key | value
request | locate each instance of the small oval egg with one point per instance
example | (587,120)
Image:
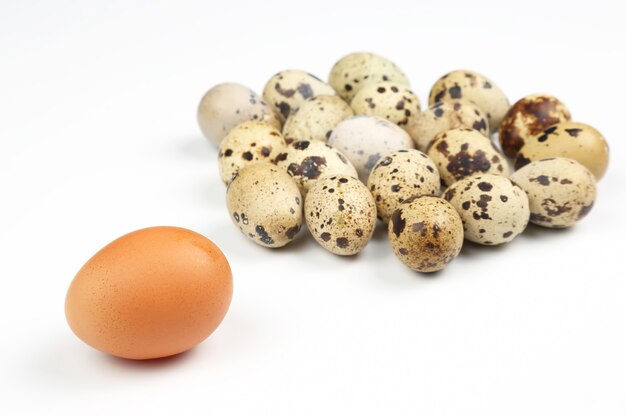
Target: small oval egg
(528,117)
(560,191)
(469,85)
(266,205)
(152,293)
(307,161)
(459,153)
(387,100)
(287,90)
(400,175)
(425,233)
(444,116)
(316,118)
(572,140)
(493,209)
(358,69)
(340,214)
(248,143)
(226,105)
(364,139)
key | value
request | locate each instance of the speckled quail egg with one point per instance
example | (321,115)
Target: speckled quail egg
(316,118)
(358,69)
(226,105)
(469,85)
(287,90)
(561,191)
(459,153)
(528,117)
(265,203)
(493,209)
(400,175)
(426,233)
(443,116)
(248,143)
(572,140)
(387,100)
(309,160)
(340,214)
(364,139)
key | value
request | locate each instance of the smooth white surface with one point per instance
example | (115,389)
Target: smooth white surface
(98,137)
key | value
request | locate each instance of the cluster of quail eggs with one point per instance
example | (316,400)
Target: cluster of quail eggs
(339,155)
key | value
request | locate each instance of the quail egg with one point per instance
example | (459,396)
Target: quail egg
(358,69)
(493,209)
(443,116)
(572,140)
(426,233)
(316,118)
(528,117)
(266,205)
(469,85)
(400,175)
(226,105)
(248,143)
(308,160)
(459,153)
(364,139)
(340,214)
(287,90)
(387,100)
(561,191)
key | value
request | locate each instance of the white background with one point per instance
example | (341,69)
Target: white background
(98,138)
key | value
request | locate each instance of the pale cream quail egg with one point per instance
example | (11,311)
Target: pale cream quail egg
(316,118)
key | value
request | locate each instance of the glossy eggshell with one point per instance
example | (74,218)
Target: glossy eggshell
(226,105)
(426,233)
(248,143)
(444,116)
(356,70)
(316,118)
(364,139)
(287,90)
(493,209)
(340,214)
(528,117)
(265,204)
(152,293)
(400,175)
(469,85)
(459,153)
(560,191)
(388,100)
(572,140)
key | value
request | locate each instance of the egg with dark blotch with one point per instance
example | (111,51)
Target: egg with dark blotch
(388,100)
(528,117)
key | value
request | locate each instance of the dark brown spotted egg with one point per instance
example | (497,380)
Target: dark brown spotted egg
(364,139)
(248,143)
(226,105)
(528,117)
(459,153)
(340,214)
(309,160)
(400,175)
(287,90)
(469,85)
(426,233)
(576,141)
(443,116)
(265,204)
(561,191)
(387,100)
(316,118)
(493,209)
(354,71)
